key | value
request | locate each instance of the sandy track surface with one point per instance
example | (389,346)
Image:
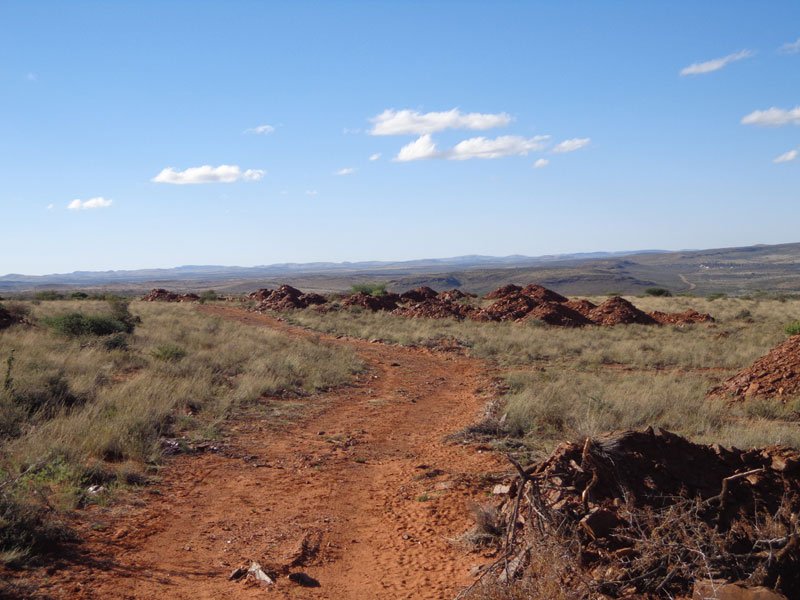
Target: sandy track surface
(362,494)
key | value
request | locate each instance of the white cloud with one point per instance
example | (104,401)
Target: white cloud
(479,147)
(32,77)
(375,156)
(261,130)
(311,192)
(787,156)
(715,64)
(773,117)
(420,149)
(98,202)
(505,145)
(208,174)
(571,145)
(50,207)
(411,122)
(348,171)
(542,162)
(790,47)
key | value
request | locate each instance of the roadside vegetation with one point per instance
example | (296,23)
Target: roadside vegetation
(92,394)
(566,384)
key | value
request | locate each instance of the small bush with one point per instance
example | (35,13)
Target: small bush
(77,324)
(120,311)
(118,341)
(207,296)
(47,398)
(169,353)
(792,328)
(657,291)
(48,295)
(79,295)
(17,310)
(374,289)
(716,296)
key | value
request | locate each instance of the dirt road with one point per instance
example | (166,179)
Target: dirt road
(363,495)
(687,282)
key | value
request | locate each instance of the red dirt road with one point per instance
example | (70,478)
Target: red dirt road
(361,493)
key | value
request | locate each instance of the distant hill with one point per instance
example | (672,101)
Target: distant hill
(773,268)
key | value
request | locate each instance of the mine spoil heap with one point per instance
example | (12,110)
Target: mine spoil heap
(648,514)
(511,303)
(776,374)
(162,295)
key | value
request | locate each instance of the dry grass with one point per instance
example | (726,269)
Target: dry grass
(74,401)
(570,383)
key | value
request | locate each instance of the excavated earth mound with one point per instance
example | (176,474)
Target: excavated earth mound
(542,294)
(645,514)
(162,295)
(418,295)
(512,303)
(434,308)
(509,307)
(689,316)
(557,313)
(370,302)
(775,375)
(285,298)
(618,311)
(453,295)
(504,291)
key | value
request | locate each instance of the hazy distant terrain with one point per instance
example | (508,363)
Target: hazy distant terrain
(730,270)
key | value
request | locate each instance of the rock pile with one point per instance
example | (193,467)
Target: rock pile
(646,514)
(512,303)
(285,298)
(775,375)
(162,295)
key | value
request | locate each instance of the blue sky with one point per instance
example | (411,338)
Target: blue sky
(129,131)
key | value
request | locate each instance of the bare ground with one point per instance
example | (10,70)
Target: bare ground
(361,493)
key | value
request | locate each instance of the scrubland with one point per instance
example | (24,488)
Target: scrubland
(79,410)
(569,383)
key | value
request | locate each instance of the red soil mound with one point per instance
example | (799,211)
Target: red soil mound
(418,295)
(284,298)
(634,500)
(617,311)
(452,295)
(557,313)
(513,303)
(162,295)
(434,308)
(542,294)
(502,292)
(582,306)
(689,316)
(776,374)
(370,302)
(508,308)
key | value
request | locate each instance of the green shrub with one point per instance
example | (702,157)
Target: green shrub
(79,295)
(120,311)
(47,398)
(792,328)
(207,296)
(374,289)
(77,324)
(716,296)
(18,310)
(657,291)
(118,341)
(48,295)
(169,353)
